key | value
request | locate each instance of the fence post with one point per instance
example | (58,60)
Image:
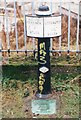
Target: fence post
(33,39)
(77,41)
(80,27)
(16,33)
(69,29)
(24,28)
(61,25)
(7,22)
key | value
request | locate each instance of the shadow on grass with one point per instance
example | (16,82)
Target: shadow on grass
(25,72)
(19,72)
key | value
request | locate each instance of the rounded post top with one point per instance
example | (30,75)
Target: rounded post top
(43,10)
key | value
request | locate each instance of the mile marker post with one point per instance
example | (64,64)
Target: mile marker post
(44,79)
(43,26)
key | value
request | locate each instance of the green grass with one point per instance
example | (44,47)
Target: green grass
(20,79)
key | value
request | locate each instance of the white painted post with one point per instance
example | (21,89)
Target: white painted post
(69,28)
(16,33)
(60,41)
(33,39)
(77,40)
(6,18)
(24,28)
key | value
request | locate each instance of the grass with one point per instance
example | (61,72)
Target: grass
(20,81)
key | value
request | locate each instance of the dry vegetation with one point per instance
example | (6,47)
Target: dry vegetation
(20,30)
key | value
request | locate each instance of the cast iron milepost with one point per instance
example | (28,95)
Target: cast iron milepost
(44,79)
(44,26)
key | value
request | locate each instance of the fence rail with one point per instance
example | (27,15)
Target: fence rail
(12,13)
